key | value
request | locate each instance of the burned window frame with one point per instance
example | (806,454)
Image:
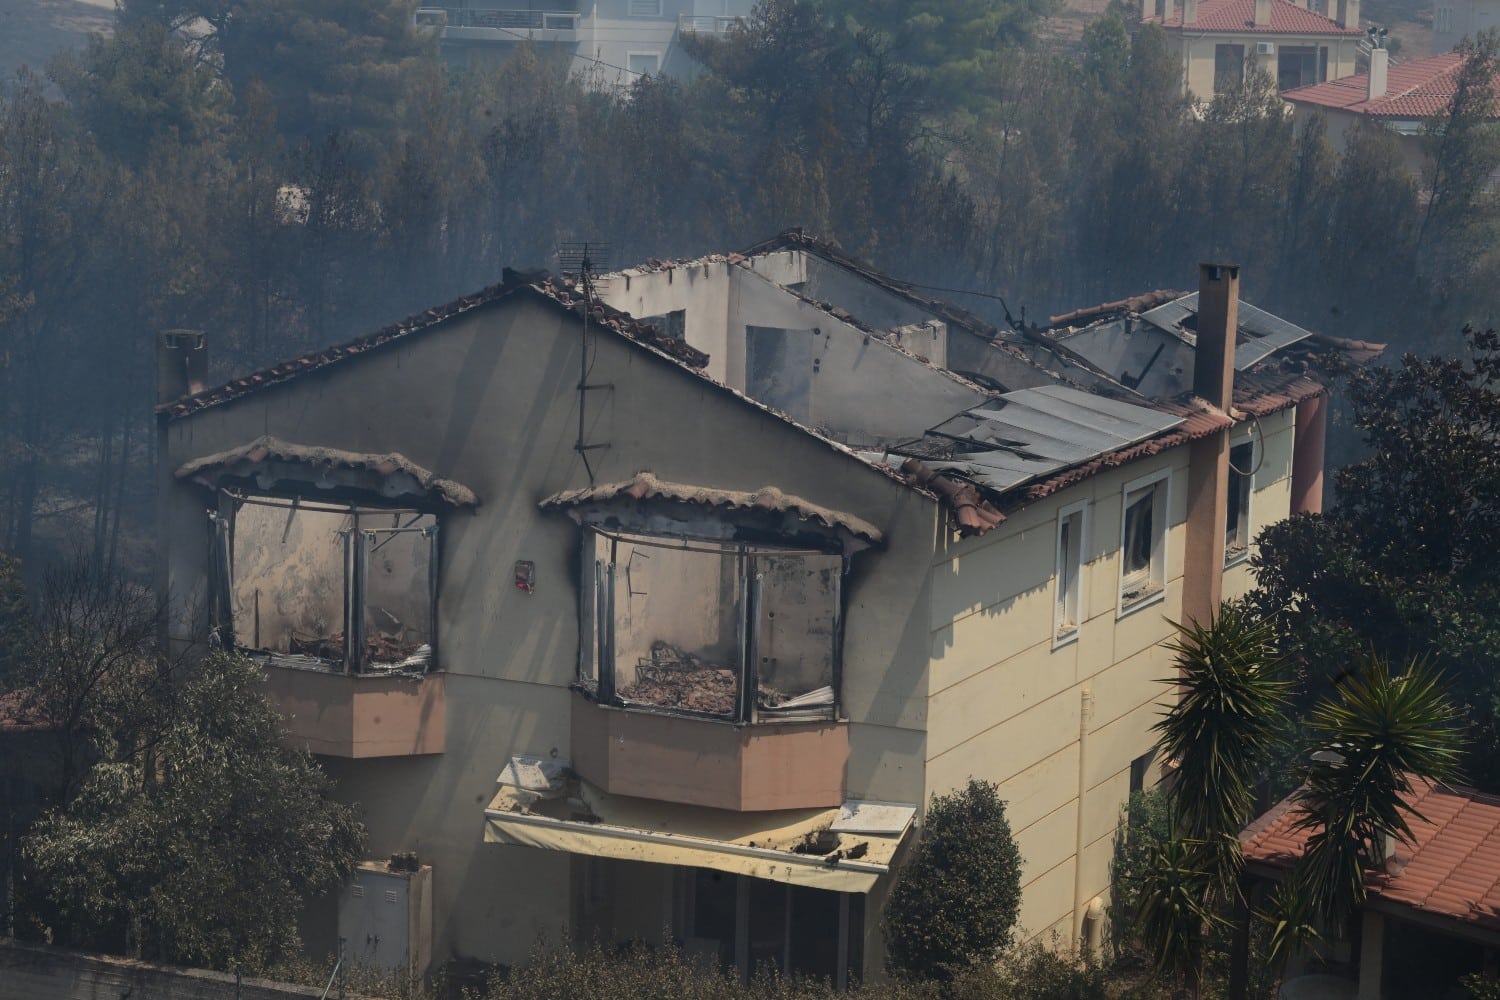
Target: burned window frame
(597,659)
(1145,585)
(358,544)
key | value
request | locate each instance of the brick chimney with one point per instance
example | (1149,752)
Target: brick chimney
(1349,14)
(1263,12)
(1380,66)
(1189,11)
(1208,457)
(181,364)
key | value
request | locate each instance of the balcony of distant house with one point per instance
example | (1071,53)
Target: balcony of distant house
(711,643)
(324,568)
(556,22)
(709,24)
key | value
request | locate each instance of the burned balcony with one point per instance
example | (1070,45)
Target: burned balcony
(343,588)
(723,630)
(324,568)
(710,653)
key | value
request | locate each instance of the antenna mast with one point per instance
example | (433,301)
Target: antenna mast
(585,260)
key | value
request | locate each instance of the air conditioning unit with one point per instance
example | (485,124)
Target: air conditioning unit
(385,915)
(1265,48)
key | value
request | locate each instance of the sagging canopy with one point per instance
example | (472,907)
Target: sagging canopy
(843,849)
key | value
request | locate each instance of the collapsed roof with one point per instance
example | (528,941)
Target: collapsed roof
(1010,415)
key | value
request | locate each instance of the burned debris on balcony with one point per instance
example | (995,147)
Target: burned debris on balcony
(670,678)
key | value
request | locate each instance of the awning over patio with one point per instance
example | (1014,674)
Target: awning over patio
(847,849)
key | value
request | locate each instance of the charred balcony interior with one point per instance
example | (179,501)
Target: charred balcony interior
(338,587)
(709,628)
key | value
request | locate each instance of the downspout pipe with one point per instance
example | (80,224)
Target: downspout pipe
(1080,833)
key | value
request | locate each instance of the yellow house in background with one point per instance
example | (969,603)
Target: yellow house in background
(657,607)
(1218,40)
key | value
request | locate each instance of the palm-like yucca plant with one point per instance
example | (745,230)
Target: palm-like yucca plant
(1221,730)
(1175,910)
(1383,731)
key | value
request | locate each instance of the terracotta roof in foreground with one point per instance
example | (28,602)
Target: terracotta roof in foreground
(1234,16)
(1451,869)
(1418,89)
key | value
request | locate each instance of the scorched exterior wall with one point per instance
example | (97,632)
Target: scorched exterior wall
(489,399)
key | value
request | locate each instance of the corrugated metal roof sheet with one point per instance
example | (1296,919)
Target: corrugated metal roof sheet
(1030,433)
(1450,869)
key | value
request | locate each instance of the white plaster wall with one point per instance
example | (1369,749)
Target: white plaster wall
(489,400)
(857,377)
(702,290)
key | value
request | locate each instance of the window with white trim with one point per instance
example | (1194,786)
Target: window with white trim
(1241,483)
(643,64)
(1068,605)
(645,8)
(1143,540)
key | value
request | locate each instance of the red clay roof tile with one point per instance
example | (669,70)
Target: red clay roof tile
(1451,868)
(1239,15)
(1414,90)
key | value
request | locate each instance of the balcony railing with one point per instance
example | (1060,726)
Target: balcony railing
(696,24)
(506,20)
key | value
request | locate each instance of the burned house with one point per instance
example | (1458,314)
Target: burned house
(723,568)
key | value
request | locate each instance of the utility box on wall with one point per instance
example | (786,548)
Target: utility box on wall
(385,916)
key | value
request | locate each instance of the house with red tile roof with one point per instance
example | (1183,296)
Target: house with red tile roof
(1432,909)
(1219,40)
(1399,96)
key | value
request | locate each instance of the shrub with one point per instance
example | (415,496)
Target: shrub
(955,902)
(1146,827)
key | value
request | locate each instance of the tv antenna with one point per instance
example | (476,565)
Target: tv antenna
(585,260)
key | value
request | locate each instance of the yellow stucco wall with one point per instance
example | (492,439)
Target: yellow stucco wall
(1197,53)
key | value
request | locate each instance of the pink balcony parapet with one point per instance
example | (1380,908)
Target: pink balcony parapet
(702,762)
(360,715)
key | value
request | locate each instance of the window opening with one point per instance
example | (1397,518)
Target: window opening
(1139,769)
(1229,67)
(313,584)
(730,630)
(644,63)
(1142,543)
(645,8)
(1241,483)
(1067,612)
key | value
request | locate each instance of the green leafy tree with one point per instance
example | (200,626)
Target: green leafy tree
(200,845)
(1402,564)
(15,621)
(956,900)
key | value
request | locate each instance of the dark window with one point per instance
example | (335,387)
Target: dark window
(1229,66)
(1139,768)
(1237,526)
(1296,66)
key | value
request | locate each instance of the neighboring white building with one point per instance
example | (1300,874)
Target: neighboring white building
(612,41)
(1455,20)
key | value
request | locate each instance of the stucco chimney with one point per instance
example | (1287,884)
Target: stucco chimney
(1189,11)
(1308,437)
(181,364)
(1263,12)
(1349,14)
(1208,457)
(1380,66)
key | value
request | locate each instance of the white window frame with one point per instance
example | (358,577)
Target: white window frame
(1247,500)
(1158,485)
(1070,563)
(636,74)
(643,8)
